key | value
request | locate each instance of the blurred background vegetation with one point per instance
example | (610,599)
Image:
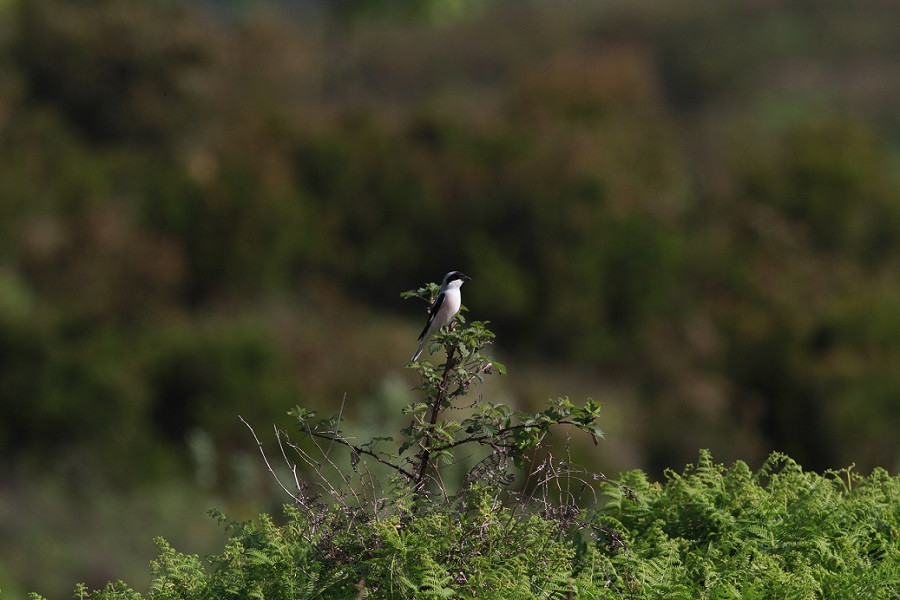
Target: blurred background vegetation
(690,212)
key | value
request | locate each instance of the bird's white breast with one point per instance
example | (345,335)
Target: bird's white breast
(452,302)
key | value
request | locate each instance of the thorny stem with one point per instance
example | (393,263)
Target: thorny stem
(357,450)
(436,408)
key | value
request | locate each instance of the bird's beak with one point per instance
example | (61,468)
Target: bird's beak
(466,278)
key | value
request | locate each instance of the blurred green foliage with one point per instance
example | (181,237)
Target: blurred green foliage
(208,209)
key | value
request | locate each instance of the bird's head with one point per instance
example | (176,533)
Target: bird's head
(455,276)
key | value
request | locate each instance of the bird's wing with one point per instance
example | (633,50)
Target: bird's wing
(432,312)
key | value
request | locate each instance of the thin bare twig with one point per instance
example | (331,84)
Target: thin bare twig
(266,459)
(291,465)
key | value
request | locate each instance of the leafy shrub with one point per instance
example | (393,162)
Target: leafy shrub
(710,532)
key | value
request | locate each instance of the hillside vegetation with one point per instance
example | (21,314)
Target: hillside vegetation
(209,209)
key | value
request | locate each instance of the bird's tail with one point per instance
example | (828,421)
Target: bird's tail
(421,347)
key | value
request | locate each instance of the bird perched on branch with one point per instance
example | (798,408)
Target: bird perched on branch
(445,307)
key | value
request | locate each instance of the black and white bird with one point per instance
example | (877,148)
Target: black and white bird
(445,307)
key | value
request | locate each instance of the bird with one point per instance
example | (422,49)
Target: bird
(445,307)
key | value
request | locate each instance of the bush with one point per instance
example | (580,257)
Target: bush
(710,532)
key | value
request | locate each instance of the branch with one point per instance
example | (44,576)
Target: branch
(425,454)
(266,460)
(482,438)
(358,450)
